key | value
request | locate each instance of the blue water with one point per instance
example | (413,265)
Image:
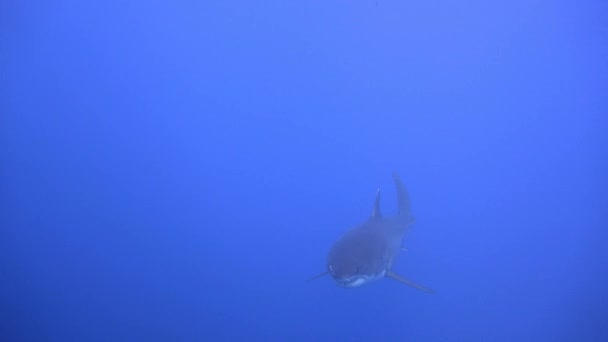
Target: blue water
(175,171)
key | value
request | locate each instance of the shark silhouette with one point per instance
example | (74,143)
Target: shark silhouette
(366,252)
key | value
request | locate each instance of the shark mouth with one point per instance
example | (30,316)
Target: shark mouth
(357,280)
(352,281)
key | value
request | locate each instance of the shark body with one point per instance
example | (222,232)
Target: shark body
(366,252)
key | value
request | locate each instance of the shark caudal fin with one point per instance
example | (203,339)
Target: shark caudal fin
(403,200)
(402,280)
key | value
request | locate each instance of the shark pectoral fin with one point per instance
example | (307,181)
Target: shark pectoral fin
(402,280)
(318,276)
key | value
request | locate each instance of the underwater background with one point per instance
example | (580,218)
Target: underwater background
(176,171)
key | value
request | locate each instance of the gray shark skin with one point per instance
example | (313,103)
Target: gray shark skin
(366,252)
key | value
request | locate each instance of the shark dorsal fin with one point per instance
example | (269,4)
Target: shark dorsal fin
(376,211)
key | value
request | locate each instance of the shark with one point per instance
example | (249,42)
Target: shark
(367,252)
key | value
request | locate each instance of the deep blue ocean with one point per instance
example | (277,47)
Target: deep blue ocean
(178,170)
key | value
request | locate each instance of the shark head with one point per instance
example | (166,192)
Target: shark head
(358,257)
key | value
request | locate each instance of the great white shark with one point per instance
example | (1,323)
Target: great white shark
(367,252)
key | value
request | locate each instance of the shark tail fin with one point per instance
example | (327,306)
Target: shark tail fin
(403,198)
(402,280)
